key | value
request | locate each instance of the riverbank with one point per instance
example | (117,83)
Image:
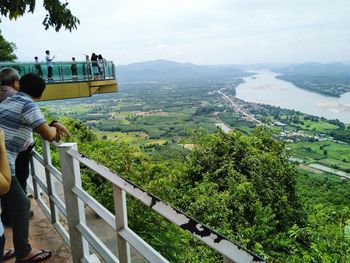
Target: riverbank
(265,88)
(324,85)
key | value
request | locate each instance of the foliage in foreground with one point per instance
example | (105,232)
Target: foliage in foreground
(243,186)
(58,14)
(6,49)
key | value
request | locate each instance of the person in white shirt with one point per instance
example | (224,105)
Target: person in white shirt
(49,65)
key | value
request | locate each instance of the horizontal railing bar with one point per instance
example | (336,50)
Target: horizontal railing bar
(96,243)
(41,183)
(92,258)
(54,171)
(107,216)
(60,205)
(141,246)
(38,157)
(197,229)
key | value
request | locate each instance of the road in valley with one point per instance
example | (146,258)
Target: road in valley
(248,116)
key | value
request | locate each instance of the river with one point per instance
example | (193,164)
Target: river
(265,88)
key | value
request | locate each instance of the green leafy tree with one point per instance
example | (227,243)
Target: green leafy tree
(58,14)
(6,50)
(325,238)
(243,186)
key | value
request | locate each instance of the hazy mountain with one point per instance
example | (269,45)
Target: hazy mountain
(170,70)
(317,69)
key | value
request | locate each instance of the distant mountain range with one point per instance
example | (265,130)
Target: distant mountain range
(317,69)
(170,70)
(158,70)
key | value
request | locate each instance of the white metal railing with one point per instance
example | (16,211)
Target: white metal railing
(81,238)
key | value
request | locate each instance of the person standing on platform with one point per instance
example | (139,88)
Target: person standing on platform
(37,66)
(49,65)
(87,67)
(74,69)
(94,64)
(20,115)
(9,85)
(101,65)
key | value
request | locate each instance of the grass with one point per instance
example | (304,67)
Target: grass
(320,126)
(130,137)
(338,155)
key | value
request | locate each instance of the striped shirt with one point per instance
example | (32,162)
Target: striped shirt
(6,91)
(19,116)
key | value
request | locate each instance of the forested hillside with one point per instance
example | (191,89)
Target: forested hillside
(329,79)
(165,70)
(241,185)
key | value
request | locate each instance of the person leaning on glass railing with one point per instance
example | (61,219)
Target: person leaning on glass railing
(20,116)
(5,181)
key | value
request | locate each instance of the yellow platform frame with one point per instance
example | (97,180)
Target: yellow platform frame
(70,90)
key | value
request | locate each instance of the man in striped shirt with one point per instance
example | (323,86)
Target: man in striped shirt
(20,115)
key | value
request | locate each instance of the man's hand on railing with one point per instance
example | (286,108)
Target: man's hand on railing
(61,131)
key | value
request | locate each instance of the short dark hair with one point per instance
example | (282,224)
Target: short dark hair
(35,57)
(47,51)
(32,85)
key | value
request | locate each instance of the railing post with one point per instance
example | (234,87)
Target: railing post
(47,161)
(74,206)
(121,218)
(113,71)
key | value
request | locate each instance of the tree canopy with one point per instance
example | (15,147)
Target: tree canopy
(6,50)
(58,15)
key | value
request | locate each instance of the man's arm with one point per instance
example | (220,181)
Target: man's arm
(46,132)
(5,173)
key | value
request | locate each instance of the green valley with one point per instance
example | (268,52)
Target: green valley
(164,136)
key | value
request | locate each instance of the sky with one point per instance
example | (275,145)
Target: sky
(196,31)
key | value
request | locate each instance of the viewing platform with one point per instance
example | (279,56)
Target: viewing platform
(71,79)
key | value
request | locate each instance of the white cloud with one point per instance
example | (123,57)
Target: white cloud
(199,31)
